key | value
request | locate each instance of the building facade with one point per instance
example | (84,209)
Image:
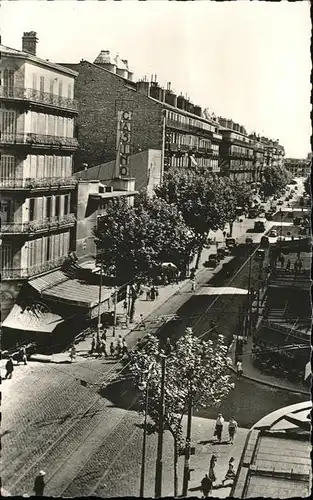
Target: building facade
(161,120)
(298,167)
(237,152)
(37,145)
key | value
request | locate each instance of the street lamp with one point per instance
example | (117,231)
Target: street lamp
(159,463)
(99,324)
(144,386)
(188,436)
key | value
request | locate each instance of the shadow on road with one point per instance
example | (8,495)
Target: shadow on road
(122,394)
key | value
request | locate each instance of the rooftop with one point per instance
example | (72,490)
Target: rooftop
(276,459)
(10,52)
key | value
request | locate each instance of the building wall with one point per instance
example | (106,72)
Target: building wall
(55,83)
(100,95)
(86,218)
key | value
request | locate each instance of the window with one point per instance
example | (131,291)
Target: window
(42,85)
(6,256)
(48,206)
(60,88)
(69,91)
(7,124)
(31,208)
(7,169)
(57,206)
(48,248)
(8,82)
(52,81)
(67,204)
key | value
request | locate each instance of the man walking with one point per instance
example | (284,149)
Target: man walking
(9,368)
(193,284)
(239,369)
(206,486)
(219,427)
(39,484)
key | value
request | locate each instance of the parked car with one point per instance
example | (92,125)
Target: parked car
(280,202)
(273,233)
(260,254)
(252,213)
(259,226)
(269,216)
(249,240)
(221,252)
(231,243)
(212,261)
(265,243)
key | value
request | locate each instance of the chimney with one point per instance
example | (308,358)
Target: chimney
(197,110)
(29,42)
(143,86)
(171,98)
(181,102)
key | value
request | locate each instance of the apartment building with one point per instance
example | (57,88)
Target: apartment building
(237,152)
(298,166)
(36,184)
(161,120)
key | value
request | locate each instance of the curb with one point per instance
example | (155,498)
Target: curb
(48,360)
(270,384)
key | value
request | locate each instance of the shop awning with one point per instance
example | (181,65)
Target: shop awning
(222,290)
(75,292)
(34,318)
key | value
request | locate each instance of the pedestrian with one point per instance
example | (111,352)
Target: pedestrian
(22,355)
(104,335)
(213,461)
(232,429)
(239,368)
(193,284)
(9,368)
(93,345)
(39,484)
(103,348)
(142,322)
(112,350)
(206,486)
(152,293)
(230,474)
(119,346)
(288,265)
(224,234)
(212,476)
(219,427)
(148,293)
(282,260)
(73,353)
(124,347)
(156,292)
(99,349)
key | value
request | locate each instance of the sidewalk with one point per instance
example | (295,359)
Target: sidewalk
(254,374)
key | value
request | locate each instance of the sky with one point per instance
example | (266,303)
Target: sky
(249,61)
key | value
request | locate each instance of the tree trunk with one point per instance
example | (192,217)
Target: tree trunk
(200,248)
(134,296)
(175,467)
(231,224)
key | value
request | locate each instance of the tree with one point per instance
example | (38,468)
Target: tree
(132,242)
(195,369)
(274,180)
(236,194)
(199,197)
(307,185)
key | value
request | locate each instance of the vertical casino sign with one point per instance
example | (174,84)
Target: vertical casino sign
(123,143)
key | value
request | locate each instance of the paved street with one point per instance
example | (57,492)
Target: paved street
(51,422)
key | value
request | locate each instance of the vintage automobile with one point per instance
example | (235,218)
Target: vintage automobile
(269,216)
(212,261)
(222,252)
(231,243)
(259,226)
(260,254)
(249,240)
(264,243)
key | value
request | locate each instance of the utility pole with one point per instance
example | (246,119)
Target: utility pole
(248,319)
(114,317)
(143,455)
(159,463)
(188,439)
(99,324)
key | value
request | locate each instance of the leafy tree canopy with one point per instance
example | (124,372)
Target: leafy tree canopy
(133,241)
(274,180)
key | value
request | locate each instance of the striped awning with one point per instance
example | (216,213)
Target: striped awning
(35,317)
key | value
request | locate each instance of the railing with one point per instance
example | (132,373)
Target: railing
(33,95)
(37,225)
(37,182)
(23,273)
(31,138)
(304,332)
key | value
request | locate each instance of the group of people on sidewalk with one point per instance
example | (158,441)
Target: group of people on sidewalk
(232,428)
(210,478)
(116,350)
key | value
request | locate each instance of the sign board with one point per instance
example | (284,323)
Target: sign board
(123,143)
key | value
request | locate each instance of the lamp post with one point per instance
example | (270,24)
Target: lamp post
(249,293)
(159,462)
(188,438)
(145,386)
(115,304)
(99,324)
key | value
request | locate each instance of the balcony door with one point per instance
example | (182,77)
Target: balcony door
(7,125)
(6,257)
(8,82)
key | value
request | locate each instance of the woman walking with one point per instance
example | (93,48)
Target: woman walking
(73,353)
(230,474)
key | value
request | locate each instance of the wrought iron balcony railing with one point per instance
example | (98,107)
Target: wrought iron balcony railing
(31,227)
(37,182)
(33,95)
(38,139)
(24,273)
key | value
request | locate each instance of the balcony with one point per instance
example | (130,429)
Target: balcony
(36,96)
(38,140)
(24,273)
(36,226)
(30,183)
